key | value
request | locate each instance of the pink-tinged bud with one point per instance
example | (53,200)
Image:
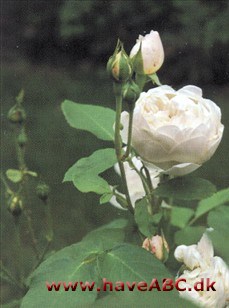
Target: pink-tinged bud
(158,246)
(147,54)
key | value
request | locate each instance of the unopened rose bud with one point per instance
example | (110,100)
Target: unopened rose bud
(42,191)
(158,246)
(15,205)
(147,54)
(17,114)
(131,92)
(22,139)
(119,66)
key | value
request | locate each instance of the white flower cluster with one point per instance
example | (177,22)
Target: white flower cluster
(201,263)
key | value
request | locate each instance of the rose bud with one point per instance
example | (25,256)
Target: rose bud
(131,92)
(17,114)
(42,191)
(147,54)
(119,66)
(158,246)
(15,205)
(22,139)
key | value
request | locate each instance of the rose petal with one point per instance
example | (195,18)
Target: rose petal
(182,169)
(191,91)
(205,248)
(191,150)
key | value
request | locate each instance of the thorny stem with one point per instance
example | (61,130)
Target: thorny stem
(118,149)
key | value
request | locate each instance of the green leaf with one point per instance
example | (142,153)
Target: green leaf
(100,255)
(94,119)
(13,304)
(31,173)
(77,262)
(14,175)
(20,97)
(154,78)
(147,223)
(119,264)
(219,198)
(84,173)
(143,299)
(219,221)
(186,188)
(105,198)
(189,235)
(133,264)
(180,216)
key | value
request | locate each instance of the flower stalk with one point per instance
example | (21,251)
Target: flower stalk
(128,149)
(118,142)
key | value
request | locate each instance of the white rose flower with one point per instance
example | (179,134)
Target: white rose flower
(175,130)
(151,56)
(201,263)
(134,182)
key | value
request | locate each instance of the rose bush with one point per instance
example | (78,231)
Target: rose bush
(201,263)
(175,130)
(148,53)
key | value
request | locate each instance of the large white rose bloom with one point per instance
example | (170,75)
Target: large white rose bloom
(175,130)
(201,263)
(134,183)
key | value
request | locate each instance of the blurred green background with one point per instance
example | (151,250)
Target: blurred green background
(58,49)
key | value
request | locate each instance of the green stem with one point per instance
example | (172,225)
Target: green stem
(149,182)
(41,258)
(49,231)
(32,234)
(148,178)
(8,189)
(131,114)
(20,249)
(21,157)
(167,219)
(193,220)
(12,279)
(140,80)
(118,149)
(49,235)
(145,185)
(22,166)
